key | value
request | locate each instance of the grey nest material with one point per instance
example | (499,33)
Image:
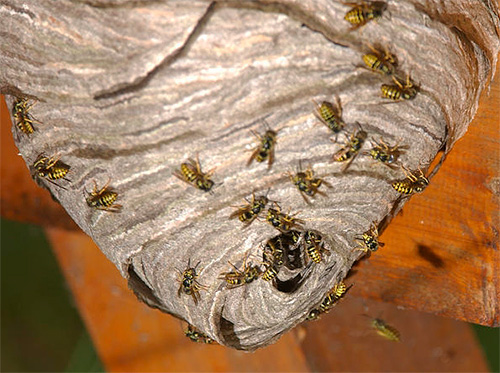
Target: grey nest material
(126,91)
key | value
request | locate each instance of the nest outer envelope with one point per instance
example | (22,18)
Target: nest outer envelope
(128,90)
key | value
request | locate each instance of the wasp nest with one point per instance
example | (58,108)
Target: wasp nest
(150,122)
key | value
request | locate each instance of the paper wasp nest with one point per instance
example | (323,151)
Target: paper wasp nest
(127,91)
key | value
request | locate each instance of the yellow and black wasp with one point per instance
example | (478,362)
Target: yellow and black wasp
(280,221)
(415,182)
(24,120)
(238,277)
(380,62)
(270,271)
(191,173)
(196,336)
(265,150)
(350,149)
(274,251)
(249,212)
(330,115)
(398,92)
(314,247)
(369,240)
(363,12)
(387,155)
(314,314)
(307,184)
(386,331)
(103,199)
(273,256)
(331,298)
(188,283)
(51,168)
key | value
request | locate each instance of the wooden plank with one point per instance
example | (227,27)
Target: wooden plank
(132,337)
(20,198)
(441,253)
(344,340)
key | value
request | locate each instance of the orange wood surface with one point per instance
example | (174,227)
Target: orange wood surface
(441,254)
(20,198)
(132,337)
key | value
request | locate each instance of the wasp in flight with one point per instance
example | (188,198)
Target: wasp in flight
(363,12)
(280,221)
(350,149)
(238,277)
(380,62)
(265,150)
(369,240)
(103,199)
(188,283)
(330,115)
(386,331)
(191,173)
(51,168)
(413,183)
(248,213)
(24,120)
(307,184)
(196,336)
(398,92)
(387,155)
(314,246)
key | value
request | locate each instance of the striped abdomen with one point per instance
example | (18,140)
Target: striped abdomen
(104,199)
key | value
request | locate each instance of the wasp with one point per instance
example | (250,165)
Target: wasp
(248,213)
(191,173)
(51,168)
(292,240)
(280,221)
(314,246)
(399,92)
(413,183)
(314,314)
(188,283)
(333,296)
(274,252)
(363,12)
(238,277)
(265,150)
(387,155)
(307,184)
(350,149)
(270,272)
(369,240)
(196,336)
(330,115)
(380,62)
(103,199)
(24,120)
(386,331)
